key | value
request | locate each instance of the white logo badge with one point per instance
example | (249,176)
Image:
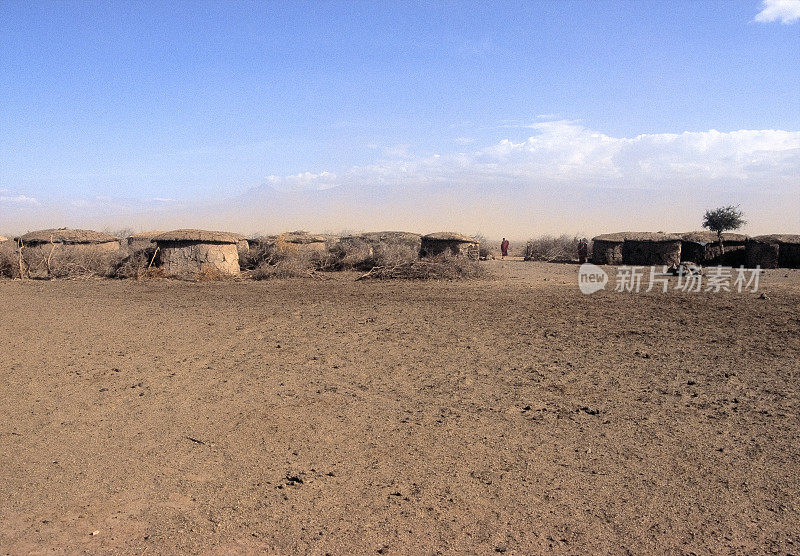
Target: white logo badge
(591,278)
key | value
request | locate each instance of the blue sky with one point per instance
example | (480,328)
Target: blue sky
(139,105)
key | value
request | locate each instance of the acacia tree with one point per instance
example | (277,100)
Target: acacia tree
(723,219)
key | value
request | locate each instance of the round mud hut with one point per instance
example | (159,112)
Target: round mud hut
(607,248)
(773,251)
(71,241)
(702,247)
(192,253)
(449,243)
(651,248)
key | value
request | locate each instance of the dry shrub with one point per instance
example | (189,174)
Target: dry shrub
(360,254)
(272,251)
(46,262)
(257,253)
(54,261)
(433,268)
(288,267)
(136,265)
(291,264)
(210,273)
(552,248)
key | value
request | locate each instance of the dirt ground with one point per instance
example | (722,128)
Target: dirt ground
(511,414)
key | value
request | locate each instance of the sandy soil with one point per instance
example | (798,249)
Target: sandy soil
(511,414)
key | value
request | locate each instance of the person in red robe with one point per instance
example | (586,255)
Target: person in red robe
(504,248)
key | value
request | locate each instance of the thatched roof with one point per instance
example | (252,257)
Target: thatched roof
(779,238)
(64,235)
(707,236)
(654,237)
(449,236)
(202,236)
(302,238)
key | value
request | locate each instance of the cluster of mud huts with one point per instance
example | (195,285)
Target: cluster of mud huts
(700,247)
(188,253)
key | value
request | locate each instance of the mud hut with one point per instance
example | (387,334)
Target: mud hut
(651,248)
(773,251)
(449,243)
(607,248)
(188,253)
(71,241)
(702,247)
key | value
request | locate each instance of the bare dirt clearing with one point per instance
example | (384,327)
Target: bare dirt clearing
(512,415)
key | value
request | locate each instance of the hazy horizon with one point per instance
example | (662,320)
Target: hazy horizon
(507,120)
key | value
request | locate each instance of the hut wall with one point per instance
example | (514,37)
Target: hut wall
(710,253)
(695,252)
(789,255)
(192,258)
(734,256)
(762,254)
(606,252)
(646,253)
(433,248)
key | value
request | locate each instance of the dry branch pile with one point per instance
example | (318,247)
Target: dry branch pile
(437,268)
(552,248)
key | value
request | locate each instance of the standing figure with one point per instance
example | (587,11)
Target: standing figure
(583,250)
(504,248)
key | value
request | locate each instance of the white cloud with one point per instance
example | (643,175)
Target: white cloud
(304,181)
(785,11)
(17,200)
(568,154)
